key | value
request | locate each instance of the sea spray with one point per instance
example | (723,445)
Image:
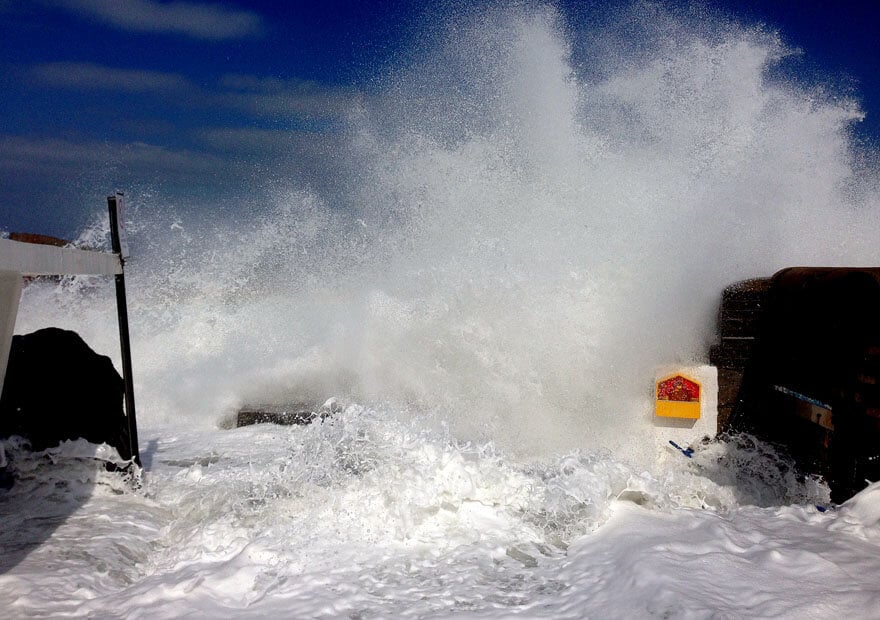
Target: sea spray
(527,220)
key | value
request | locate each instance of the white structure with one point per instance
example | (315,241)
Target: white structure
(19,259)
(684,431)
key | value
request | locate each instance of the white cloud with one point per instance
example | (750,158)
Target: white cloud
(284,99)
(54,155)
(198,20)
(245,139)
(258,97)
(269,143)
(90,76)
(19,153)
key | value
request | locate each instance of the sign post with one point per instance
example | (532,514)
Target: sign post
(119,240)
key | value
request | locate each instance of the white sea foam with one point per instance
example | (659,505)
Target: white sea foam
(364,514)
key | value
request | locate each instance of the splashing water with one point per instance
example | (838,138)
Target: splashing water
(515,241)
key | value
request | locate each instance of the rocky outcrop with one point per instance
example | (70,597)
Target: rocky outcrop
(57,388)
(286,414)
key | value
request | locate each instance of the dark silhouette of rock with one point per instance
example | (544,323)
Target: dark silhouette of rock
(286,414)
(57,388)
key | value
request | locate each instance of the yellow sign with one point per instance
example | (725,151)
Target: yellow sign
(677,396)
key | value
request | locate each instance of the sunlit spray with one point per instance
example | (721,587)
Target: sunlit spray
(516,239)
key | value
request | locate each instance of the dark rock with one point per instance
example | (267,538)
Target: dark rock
(273,414)
(57,388)
(285,415)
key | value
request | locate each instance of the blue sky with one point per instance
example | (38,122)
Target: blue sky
(200,97)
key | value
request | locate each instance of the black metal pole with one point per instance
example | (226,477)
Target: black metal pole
(122,312)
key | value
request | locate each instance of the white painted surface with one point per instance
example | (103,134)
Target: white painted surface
(19,259)
(682,431)
(33,259)
(10,294)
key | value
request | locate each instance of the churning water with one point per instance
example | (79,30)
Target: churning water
(514,240)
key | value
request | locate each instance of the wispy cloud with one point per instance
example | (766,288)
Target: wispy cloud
(198,20)
(277,98)
(53,155)
(262,98)
(270,143)
(45,181)
(246,139)
(90,76)
(19,153)
(273,122)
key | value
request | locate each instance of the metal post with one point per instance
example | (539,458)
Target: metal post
(122,312)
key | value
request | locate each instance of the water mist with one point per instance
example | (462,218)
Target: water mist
(516,242)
